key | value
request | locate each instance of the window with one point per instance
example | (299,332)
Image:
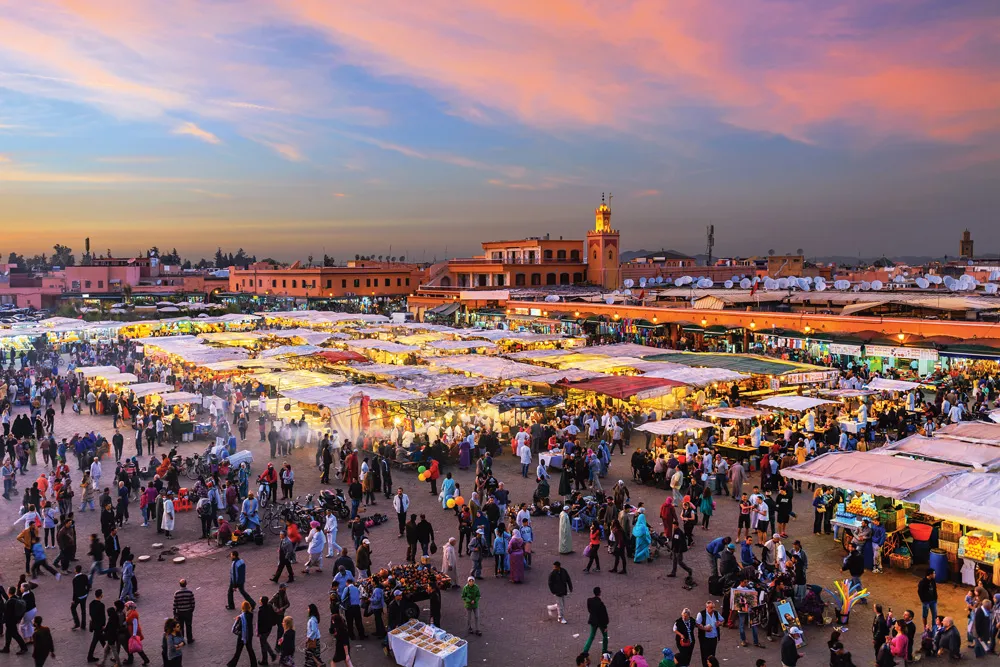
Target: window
(75,285)
(595,254)
(399,282)
(564,279)
(260,283)
(329,283)
(550,279)
(561,255)
(407,282)
(100,283)
(86,284)
(500,280)
(611,254)
(519,280)
(357,283)
(574,255)
(446,282)
(577,278)
(548,254)
(368,282)
(295,284)
(343,283)
(536,279)
(284,283)
(274,283)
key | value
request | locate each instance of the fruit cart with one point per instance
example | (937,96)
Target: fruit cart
(411,578)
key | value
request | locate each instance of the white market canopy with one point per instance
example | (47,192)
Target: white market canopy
(673,426)
(230,337)
(971,499)
(945,450)
(625,350)
(314,318)
(541,355)
(433,383)
(886,384)
(495,368)
(847,393)
(735,413)
(983,432)
(290,351)
(241,364)
(794,403)
(461,345)
(120,378)
(150,388)
(181,397)
(382,346)
(554,377)
(889,476)
(298,379)
(341,396)
(308,335)
(502,334)
(697,377)
(995,416)
(97,371)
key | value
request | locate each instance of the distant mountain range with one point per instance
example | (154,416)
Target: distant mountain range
(913,260)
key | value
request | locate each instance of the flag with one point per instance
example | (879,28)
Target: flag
(753,288)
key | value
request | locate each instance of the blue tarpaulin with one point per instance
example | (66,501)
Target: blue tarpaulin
(506,402)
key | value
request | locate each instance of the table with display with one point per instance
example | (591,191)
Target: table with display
(740,452)
(416,644)
(553,459)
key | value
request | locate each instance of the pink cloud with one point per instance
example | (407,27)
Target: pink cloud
(647,193)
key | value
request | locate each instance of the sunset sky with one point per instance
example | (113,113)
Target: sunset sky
(292,127)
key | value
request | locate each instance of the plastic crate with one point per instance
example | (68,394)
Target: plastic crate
(900,561)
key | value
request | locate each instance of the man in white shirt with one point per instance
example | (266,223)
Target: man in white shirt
(95,471)
(401,503)
(524,451)
(955,413)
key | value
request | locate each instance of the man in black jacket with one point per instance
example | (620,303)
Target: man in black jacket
(81,589)
(854,564)
(560,585)
(927,592)
(678,545)
(598,620)
(267,618)
(113,547)
(13,611)
(425,534)
(98,619)
(789,651)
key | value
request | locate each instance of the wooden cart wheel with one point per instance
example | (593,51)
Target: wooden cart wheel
(846,538)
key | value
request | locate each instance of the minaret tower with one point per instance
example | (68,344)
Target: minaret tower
(603,265)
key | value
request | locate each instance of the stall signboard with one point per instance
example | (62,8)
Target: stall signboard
(889,351)
(841,348)
(814,377)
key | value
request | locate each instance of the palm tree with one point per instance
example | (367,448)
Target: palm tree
(127,293)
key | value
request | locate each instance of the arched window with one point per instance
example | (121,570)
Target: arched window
(548,254)
(564,279)
(519,280)
(536,279)
(446,282)
(295,283)
(595,254)
(561,255)
(574,255)
(577,278)
(550,279)
(611,254)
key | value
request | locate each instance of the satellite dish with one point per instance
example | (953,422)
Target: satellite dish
(616,293)
(935,279)
(659,280)
(820,287)
(991,288)
(610,300)
(679,282)
(629,282)
(642,282)
(804,283)
(782,283)
(627,292)
(842,284)
(745,284)
(923,283)
(899,279)
(734,279)
(865,285)
(728,284)
(877,285)
(994,275)
(950,282)
(552,298)
(770,283)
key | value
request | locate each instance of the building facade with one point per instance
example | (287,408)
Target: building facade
(355,279)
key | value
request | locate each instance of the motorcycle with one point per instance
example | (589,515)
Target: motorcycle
(335,502)
(263,493)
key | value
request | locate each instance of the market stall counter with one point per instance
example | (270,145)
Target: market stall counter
(416,644)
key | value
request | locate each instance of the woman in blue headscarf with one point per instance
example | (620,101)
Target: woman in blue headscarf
(447,491)
(642,537)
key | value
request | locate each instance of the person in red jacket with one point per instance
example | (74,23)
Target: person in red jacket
(433,472)
(594,555)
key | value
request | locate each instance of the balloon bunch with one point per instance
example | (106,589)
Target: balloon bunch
(457,500)
(422,474)
(846,596)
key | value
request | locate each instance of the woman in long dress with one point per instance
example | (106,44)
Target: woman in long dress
(464,452)
(642,538)
(447,490)
(515,552)
(566,478)
(565,533)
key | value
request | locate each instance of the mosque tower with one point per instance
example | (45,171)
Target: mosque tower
(603,265)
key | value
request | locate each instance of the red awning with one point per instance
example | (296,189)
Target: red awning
(620,386)
(340,356)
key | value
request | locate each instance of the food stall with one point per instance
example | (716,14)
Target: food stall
(416,644)
(734,441)
(673,428)
(878,483)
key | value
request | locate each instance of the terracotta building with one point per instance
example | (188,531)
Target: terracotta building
(355,279)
